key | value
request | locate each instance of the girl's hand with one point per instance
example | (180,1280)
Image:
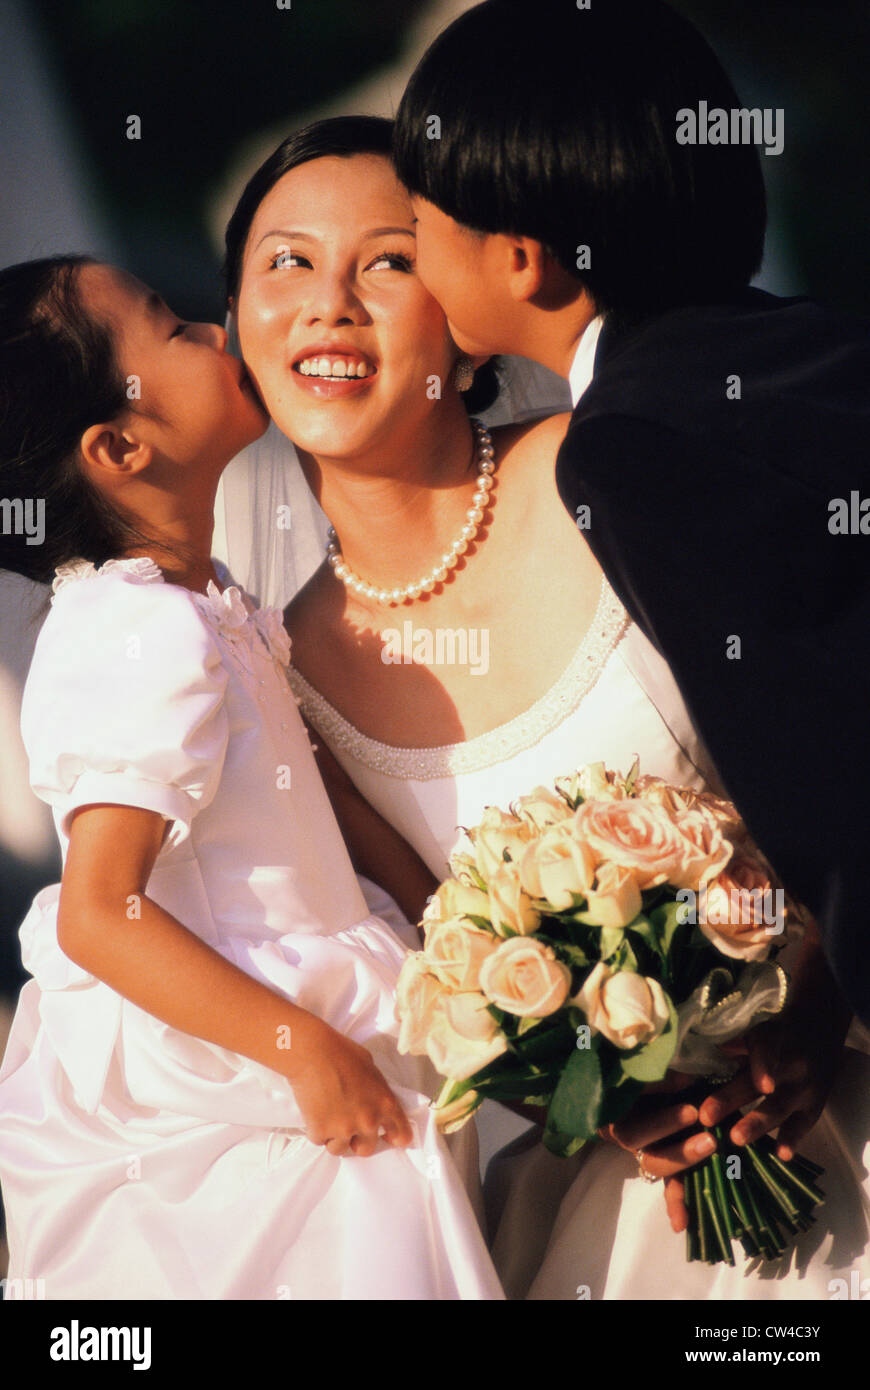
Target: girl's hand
(345,1101)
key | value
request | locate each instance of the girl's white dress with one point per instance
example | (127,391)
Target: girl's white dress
(141,1162)
(588,1226)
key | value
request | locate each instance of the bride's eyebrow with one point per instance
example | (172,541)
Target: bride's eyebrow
(390,231)
(309,236)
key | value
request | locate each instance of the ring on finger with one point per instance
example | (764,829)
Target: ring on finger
(640,1155)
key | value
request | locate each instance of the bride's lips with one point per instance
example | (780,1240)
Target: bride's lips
(329,388)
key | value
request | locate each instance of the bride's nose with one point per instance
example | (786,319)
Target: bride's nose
(333,299)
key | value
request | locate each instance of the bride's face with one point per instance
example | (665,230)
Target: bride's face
(335,327)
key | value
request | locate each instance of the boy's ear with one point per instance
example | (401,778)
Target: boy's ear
(113,449)
(527,267)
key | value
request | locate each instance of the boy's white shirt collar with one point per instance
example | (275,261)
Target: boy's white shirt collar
(581,371)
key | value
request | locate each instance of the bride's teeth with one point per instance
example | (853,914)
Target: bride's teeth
(338,367)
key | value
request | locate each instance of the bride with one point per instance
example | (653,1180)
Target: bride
(450,541)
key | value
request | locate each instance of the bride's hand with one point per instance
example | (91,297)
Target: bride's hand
(346,1104)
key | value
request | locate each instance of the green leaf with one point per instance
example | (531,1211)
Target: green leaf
(618,1100)
(526,1025)
(666,923)
(576,1103)
(632,777)
(643,927)
(611,940)
(547,1041)
(483,923)
(562,1145)
(566,950)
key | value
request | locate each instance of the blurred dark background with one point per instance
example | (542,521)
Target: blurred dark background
(217,85)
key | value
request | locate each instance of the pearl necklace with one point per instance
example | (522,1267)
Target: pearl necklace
(474,516)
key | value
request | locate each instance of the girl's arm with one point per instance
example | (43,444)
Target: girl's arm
(376,849)
(154,961)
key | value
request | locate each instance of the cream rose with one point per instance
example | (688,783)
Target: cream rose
(734,912)
(456,899)
(724,812)
(463,1036)
(635,834)
(615,900)
(592,783)
(455,951)
(628,1009)
(706,849)
(495,834)
(542,807)
(523,976)
(659,793)
(557,866)
(418,994)
(510,908)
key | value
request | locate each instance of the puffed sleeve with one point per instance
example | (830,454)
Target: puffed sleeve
(125,702)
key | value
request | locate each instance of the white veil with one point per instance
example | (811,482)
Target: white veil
(270,531)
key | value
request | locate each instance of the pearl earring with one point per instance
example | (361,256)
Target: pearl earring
(464,373)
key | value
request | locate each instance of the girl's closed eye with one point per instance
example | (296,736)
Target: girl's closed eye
(178,329)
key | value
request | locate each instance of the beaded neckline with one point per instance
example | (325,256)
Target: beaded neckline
(495,746)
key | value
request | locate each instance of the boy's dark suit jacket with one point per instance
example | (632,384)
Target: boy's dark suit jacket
(711,518)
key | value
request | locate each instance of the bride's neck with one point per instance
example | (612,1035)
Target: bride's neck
(396,507)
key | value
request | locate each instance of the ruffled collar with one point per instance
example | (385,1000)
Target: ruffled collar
(231,611)
(233,614)
(142,570)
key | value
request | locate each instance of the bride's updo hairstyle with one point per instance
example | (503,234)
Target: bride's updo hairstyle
(58,375)
(559,123)
(340,136)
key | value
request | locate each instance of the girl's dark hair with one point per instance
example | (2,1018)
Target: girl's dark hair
(559,123)
(58,375)
(339,136)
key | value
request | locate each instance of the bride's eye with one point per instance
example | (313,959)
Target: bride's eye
(399,259)
(284,258)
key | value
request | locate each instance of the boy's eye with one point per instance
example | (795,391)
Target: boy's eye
(179,328)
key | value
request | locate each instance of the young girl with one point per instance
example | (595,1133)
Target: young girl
(201,1095)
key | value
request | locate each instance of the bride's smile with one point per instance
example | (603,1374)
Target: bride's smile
(335,327)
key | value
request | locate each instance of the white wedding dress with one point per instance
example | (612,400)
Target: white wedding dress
(138,1161)
(588,1226)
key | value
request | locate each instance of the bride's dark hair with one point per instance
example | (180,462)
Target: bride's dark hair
(559,123)
(341,136)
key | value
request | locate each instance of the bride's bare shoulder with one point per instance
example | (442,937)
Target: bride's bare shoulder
(531,440)
(308,612)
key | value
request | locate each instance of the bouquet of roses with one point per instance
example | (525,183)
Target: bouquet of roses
(590,939)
